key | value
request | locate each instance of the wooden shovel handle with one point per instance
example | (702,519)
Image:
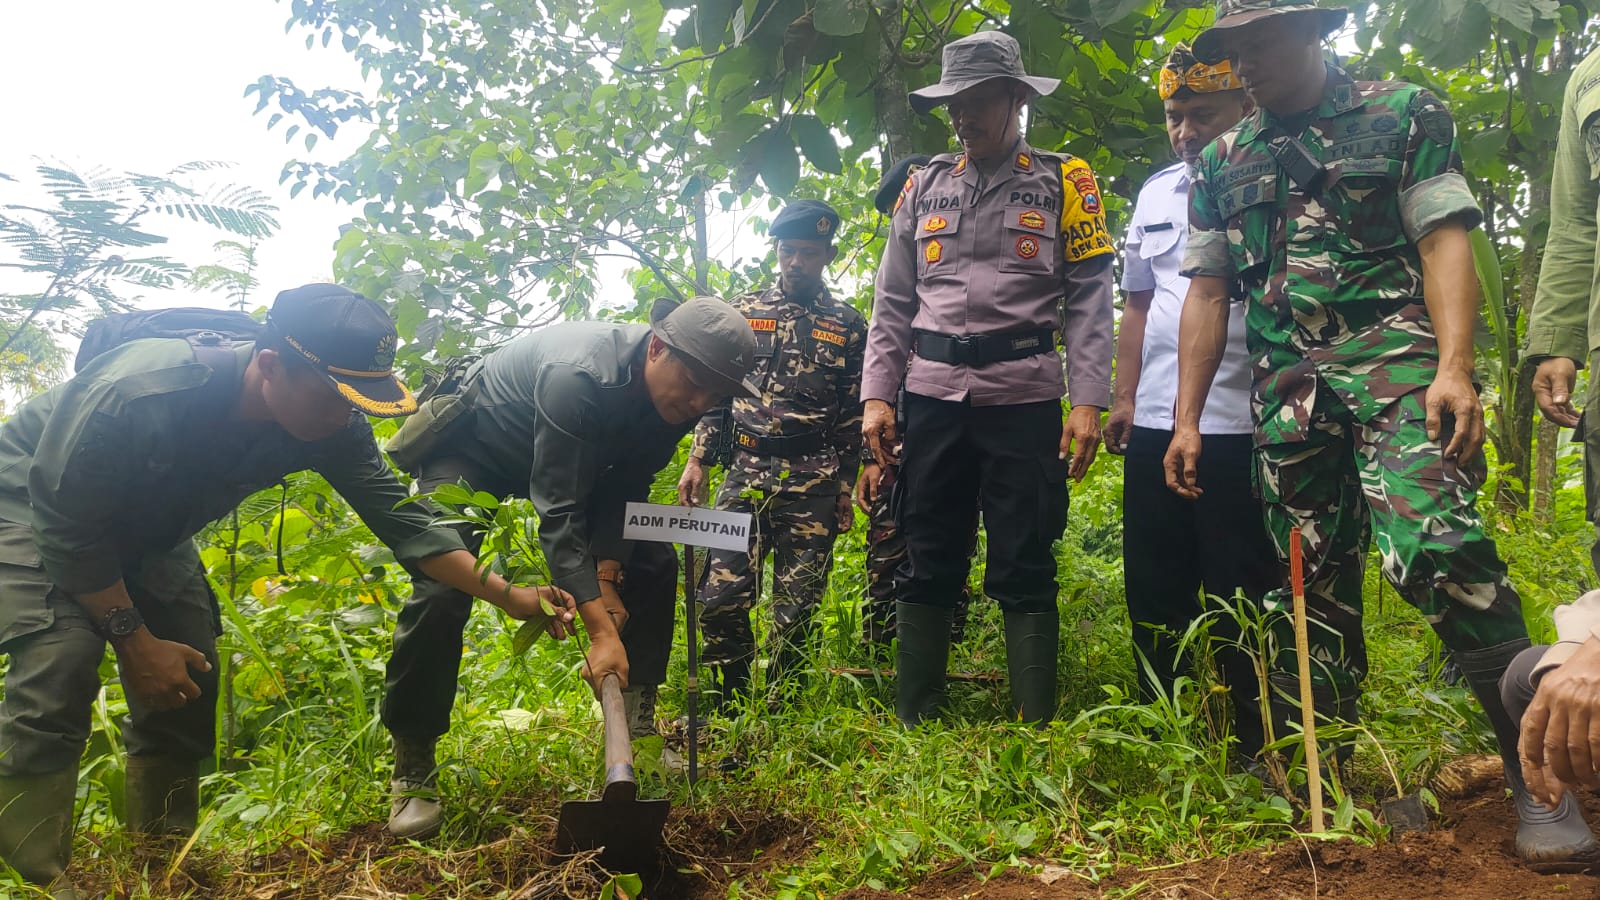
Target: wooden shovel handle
(620,781)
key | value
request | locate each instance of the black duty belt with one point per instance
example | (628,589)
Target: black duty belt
(775,445)
(983,349)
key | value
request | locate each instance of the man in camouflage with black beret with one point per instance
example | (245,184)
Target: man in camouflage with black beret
(790,454)
(1339,214)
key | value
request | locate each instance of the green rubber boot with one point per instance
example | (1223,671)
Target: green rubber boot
(36,829)
(162,795)
(920,661)
(1031,642)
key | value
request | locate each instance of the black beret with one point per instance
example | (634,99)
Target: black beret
(805,220)
(894,181)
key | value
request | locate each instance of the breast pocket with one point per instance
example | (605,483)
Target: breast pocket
(1158,247)
(1030,242)
(822,363)
(1251,209)
(1364,195)
(936,241)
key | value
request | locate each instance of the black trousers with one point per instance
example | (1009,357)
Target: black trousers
(1007,456)
(423,668)
(1516,684)
(1176,552)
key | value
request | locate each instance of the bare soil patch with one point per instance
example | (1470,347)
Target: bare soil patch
(1470,855)
(702,852)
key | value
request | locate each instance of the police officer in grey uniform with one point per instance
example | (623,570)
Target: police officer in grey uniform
(989,251)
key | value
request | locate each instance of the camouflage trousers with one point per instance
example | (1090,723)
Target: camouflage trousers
(886,553)
(1384,474)
(798,532)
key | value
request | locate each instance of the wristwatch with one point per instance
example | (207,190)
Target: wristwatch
(615,576)
(120,623)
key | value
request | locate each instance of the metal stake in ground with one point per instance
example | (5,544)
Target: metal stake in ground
(691,627)
(1302,652)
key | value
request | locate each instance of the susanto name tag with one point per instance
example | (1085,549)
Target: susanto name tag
(687,525)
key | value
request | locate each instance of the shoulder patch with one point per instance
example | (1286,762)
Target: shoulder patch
(1435,120)
(1083,220)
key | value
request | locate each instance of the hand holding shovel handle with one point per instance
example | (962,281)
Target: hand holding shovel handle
(1302,652)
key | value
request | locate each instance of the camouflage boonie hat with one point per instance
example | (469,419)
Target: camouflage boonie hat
(1212,45)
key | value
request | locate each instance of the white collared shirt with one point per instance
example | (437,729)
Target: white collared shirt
(1154,254)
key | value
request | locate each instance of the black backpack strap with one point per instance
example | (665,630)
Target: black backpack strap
(216,352)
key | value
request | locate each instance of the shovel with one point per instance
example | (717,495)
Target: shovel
(625,829)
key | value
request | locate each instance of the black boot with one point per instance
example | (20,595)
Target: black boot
(1031,642)
(733,687)
(924,651)
(36,828)
(1330,707)
(1553,840)
(162,795)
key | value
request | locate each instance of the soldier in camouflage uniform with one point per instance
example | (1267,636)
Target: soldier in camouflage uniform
(793,456)
(886,547)
(1337,212)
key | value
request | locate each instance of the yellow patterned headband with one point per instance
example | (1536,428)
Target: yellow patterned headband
(1183,70)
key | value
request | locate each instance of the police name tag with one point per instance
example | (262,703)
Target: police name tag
(687,525)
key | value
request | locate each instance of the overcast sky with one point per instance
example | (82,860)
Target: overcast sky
(146,86)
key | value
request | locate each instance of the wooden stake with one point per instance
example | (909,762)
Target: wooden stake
(1302,652)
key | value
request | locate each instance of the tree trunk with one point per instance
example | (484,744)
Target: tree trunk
(1544,471)
(701,246)
(889,91)
(1515,445)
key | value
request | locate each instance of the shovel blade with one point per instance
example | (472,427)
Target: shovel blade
(627,833)
(1405,814)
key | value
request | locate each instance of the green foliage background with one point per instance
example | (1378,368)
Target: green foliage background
(517,147)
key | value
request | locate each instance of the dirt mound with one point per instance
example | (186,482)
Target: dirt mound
(703,851)
(1470,855)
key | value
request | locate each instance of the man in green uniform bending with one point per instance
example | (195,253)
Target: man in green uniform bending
(1338,213)
(103,482)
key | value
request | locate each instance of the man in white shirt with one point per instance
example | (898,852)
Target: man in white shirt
(1175,548)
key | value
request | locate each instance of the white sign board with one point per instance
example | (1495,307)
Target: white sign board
(687,525)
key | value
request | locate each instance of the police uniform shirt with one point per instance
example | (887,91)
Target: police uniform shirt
(1024,249)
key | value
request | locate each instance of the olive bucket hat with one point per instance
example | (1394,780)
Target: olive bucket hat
(971,61)
(1211,47)
(714,338)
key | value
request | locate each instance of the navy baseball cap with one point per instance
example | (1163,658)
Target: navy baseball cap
(349,340)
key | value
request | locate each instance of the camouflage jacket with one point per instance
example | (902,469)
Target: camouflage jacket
(1331,275)
(808,366)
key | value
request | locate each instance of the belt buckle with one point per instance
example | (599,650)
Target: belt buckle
(970,345)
